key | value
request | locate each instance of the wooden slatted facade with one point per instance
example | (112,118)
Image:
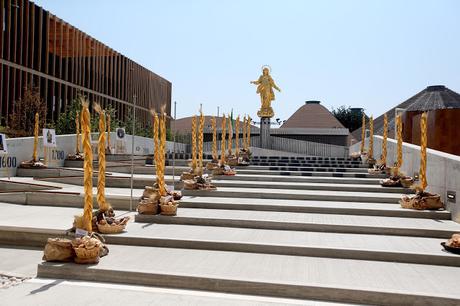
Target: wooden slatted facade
(39,49)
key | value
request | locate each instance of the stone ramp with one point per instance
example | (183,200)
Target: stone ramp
(343,280)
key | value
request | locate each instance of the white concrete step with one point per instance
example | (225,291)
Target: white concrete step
(309,186)
(312,179)
(278,193)
(306,168)
(342,280)
(308,173)
(308,222)
(316,244)
(302,206)
(52,292)
(140,182)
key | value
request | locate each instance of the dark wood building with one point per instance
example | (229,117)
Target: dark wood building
(443,108)
(41,50)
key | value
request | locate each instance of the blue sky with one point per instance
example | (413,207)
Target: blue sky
(371,54)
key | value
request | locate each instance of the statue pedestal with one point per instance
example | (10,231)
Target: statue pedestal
(265,141)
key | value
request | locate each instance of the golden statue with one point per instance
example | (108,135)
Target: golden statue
(265,85)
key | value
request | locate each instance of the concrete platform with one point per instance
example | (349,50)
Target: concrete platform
(297,178)
(343,280)
(308,222)
(315,169)
(309,186)
(52,292)
(303,206)
(318,195)
(419,250)
(309,173)
(142,181)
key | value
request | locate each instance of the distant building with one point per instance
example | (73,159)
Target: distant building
(443,107)
(313,122)
(40,49)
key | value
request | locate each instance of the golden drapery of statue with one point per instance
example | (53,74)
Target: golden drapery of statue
(265,85)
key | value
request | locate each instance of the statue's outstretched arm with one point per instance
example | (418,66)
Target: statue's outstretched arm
(255,82)
(276,87)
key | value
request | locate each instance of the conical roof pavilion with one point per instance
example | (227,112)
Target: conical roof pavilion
(312,115)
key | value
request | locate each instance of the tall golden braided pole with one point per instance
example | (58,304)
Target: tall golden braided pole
(237,136)
(214,139)
(88,169)
(363,133)
(156,139)
(384,142)
(248,131)
(35,153)
(423,145)
(371,137)
(399,160)
(200,144)
(194,143)
(109,130)
(103,205)
(222,143)
(230,137)
(161,182)
(77,133)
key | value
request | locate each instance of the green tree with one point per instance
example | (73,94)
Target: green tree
(351,118)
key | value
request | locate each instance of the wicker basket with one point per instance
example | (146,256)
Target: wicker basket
(190,185)
(169,210)
(84,253)
(390,183)
(218,171)
(87,261)
(147,208)
(211,166)
(232,162)
(187,176)
(111,228)
(432,202)
(406,182)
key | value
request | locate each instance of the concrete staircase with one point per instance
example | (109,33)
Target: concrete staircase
(264,233)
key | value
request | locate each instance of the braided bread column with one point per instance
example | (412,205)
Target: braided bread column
(423,145)
(222,143)
(88,169)
(35,153)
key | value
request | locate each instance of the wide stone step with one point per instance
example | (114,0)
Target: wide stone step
(285,194)
(343,280)
(297,178)
(142,181)
(243,170)
(122,202)
(307,164)
(306,169)
(323,207)
(308,222)
(297,243)
(118,294)
(309,186)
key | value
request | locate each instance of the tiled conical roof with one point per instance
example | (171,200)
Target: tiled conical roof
(312,115)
